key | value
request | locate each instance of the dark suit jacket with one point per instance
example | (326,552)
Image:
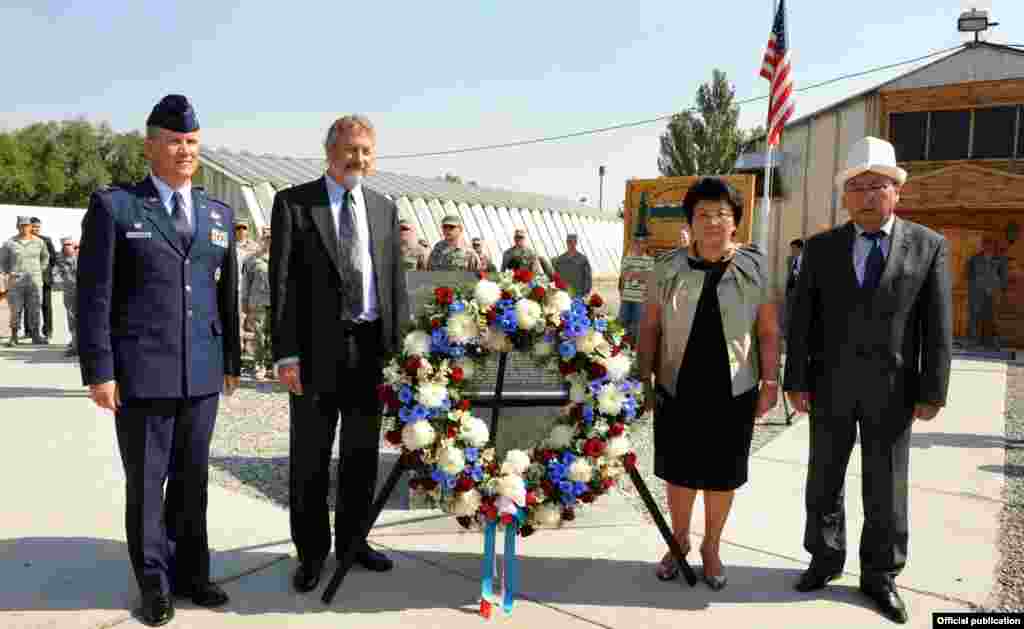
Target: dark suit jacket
(890,349)
(151,315)
(48,271)
(306,283)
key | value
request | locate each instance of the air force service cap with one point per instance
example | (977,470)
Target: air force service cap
(174,113)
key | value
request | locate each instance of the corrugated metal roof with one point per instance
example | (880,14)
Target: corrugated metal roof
(282,172)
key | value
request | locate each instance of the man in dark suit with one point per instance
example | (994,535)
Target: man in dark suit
(338,303)
(870,346)
(158,341)
(793,262)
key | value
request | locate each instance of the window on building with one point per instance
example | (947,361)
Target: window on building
(909,132)
(994,132)
(950,135)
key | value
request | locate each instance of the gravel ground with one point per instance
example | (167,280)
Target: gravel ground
(1008,594)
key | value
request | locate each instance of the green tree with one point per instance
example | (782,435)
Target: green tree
(124,158)
(47,162)
(707,140)
(16,182)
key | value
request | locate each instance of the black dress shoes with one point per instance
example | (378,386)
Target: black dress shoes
(157,608)
(307,576)
(887,599)
(815,578)
(206,595)
(373,560)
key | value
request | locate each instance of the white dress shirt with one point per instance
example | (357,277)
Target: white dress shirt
(336,193)
(166,193)
(862,246)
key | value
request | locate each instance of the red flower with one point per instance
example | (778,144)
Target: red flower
(452,432)
(435,323)
(387,396)
(616,429)
(549,455)
(597,370)
(492,315)
(531,498)
(482,275)
(587,497)
(616,350)
(537,293)
(627,340)
(463,405)
(506,295)
(593,447)
(457,375)
(559,282)
(608,483)
(629,460)
(523,275)
(596,301)
(413,365)
(489,511)
(394,437)
(493,468)
(506,518)
(444,295)
(464,483)
(547,486)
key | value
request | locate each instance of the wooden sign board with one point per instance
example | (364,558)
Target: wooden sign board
(662,199)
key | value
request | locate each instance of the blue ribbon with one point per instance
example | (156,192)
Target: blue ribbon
(511,571)
(487,566)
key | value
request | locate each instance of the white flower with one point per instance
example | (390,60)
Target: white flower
(417,343)
(486,293)
(431,394)
(557,302)
(618,446)
(513,487)
(587,343)
(527,313)
(507,505)
(516,462)
(474,431)
(580,471)
(543,349)
(610,399)
(451,460)
(418,435)
(462,327)
(618,367)
(496,340)
(466,503)
(393,373)
(547,515)
(561,436)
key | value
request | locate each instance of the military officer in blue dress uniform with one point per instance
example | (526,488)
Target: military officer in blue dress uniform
(159,340)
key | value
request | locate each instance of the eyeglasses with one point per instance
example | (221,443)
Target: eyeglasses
(724,217)
(875,187)
(520,237)
(448,226)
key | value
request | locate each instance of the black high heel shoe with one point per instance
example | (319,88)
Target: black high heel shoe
(668,569)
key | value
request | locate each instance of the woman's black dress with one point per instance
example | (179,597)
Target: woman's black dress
(702,432)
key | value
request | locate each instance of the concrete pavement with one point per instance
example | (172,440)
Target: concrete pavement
(63,560)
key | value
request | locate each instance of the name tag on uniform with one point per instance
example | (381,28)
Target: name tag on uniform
(219,237)
(138,234)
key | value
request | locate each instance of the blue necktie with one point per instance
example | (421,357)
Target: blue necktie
(875,262)
(181,224)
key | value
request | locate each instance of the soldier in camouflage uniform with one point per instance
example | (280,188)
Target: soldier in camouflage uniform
(574,267)
(65,279)
(24,259)
(256,306)
(414,256)
(450,254)
(486,264)
(520,256)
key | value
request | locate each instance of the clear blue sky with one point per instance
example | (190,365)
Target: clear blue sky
(268,77)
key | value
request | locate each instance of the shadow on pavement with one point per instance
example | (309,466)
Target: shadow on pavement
(37,354)
(7,393)
(1009,470)
(962,440)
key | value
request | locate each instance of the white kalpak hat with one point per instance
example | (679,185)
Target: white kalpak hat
(871,154)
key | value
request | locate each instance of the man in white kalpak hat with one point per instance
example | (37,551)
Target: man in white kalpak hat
(870,345)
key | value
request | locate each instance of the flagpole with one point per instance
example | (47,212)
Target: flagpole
(764,213)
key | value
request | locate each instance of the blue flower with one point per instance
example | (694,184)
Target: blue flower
(565,487)
(567,500)
(588,414)
(405,414)
(449,482)
(405,394)
(549,337)
(477,473)
(579,488)
(419,413)
(567,349)
(471,454)
(578,308)
(456,307)
(437,475)
(456,351)
(601,325)
(508,321)
(568,458)
(505,304)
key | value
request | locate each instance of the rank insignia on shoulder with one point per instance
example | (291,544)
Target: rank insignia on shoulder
(215,215)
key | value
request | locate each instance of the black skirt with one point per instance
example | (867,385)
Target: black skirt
(702,432)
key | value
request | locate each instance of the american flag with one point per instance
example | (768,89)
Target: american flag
(776,69)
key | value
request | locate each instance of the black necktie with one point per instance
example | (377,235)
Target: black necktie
(351,258)
(181,224)
(875,262)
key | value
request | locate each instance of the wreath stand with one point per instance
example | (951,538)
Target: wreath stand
(496,401)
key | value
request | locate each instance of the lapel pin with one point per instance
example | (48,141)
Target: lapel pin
(137,225)
(215,216)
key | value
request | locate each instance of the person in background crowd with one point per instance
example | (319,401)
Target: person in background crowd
(519,256)
(25,258)
(414,256)
(986,276)
(710,339)
(574,268)
(636,269)
(158,340)
(65,278)
(869,351)
(796,248)
(47,293)
(256,306)
(245,247)
(486,263)
(450,254)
